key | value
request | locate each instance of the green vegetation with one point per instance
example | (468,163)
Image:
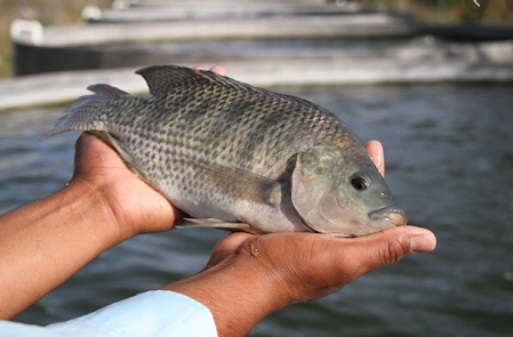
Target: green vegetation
(65,12)
(48,12)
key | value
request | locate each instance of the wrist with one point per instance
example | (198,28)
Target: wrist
(239,292)
(90,203)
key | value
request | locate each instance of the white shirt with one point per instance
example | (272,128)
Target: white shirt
(158,313)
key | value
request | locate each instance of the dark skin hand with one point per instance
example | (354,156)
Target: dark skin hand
(103,205)
(250,276)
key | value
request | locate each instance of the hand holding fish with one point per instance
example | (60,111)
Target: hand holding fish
(135,207)
(255,275)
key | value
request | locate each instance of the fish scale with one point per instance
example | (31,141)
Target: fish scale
(238,157)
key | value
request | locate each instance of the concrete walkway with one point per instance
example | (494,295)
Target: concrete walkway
(427,62)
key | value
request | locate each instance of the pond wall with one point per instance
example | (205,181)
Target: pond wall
(55,64)
(83,47)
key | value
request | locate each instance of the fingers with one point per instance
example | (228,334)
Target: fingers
(306,266)
(91,143)
(83,144)
(343,261)
(314,265)
(91,151)
(87,140)
(216,69)
(368,253)
(376,153)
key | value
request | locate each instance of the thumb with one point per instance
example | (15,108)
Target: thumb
(227,246)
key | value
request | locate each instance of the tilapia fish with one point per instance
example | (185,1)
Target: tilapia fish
(237,157)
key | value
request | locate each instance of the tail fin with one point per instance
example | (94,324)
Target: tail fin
(87,113)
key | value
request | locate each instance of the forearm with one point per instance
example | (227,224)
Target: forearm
(43,243)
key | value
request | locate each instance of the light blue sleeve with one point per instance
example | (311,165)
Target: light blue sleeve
(157,313)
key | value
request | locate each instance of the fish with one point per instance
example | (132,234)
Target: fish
(237,157)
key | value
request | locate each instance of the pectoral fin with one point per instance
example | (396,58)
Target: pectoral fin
(241,184)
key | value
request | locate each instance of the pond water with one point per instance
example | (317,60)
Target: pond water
(449,153)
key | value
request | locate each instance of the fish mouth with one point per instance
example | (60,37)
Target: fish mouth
(391,214)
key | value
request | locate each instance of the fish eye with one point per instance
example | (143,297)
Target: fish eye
(359,183)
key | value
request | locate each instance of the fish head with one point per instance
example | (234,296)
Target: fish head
(342,193)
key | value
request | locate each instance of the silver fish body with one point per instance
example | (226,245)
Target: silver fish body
(234,156)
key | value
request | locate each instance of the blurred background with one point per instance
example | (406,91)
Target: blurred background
(433,80)
(62,26)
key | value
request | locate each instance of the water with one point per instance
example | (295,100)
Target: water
(449,153)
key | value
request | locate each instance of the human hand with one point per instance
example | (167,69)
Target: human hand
(132,206)
(216,69)
(376,153)
(250,276)
(308,266)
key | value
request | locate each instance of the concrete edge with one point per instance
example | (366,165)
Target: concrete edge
(63,87)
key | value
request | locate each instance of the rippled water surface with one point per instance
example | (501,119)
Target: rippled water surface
(449,156)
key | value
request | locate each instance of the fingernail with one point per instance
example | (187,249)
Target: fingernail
(422,243)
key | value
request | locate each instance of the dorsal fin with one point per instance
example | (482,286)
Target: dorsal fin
(106,90)
(161,79)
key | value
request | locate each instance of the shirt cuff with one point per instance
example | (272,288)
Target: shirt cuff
(158,313)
